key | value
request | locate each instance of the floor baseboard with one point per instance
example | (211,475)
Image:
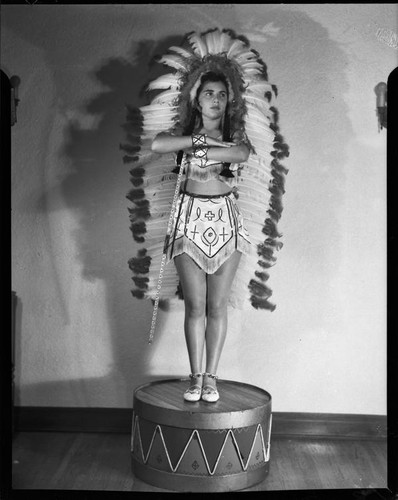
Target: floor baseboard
(119,420)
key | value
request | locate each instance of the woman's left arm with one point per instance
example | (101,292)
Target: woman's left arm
(233,154)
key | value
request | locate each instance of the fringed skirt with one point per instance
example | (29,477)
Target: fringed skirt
(208,228)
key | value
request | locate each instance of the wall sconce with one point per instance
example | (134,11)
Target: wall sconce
(14,82)
(381,104)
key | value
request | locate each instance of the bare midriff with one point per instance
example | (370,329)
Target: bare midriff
(212,187)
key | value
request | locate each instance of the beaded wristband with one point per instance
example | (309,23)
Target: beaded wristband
(199,140)
(200,153)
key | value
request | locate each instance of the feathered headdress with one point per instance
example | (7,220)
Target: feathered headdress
(260,180)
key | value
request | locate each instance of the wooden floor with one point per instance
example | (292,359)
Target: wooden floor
(99,461)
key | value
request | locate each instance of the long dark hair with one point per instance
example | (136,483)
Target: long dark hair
(196,121)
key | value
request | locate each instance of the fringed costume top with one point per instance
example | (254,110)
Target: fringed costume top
(195,171)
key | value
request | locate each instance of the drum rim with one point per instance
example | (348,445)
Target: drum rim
(220,381)
(196,414)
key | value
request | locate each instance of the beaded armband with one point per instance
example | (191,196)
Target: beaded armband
(199,140)
(200,148)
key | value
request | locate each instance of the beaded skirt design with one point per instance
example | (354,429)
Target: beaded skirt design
(208,229)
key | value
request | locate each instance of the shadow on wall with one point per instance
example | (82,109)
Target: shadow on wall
(94,189)
(312,80)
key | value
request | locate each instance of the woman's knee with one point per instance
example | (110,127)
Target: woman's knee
(217,308)
(195,308)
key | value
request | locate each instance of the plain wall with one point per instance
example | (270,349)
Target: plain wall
(81,337)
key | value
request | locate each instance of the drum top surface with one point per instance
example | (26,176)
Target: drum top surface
(234,397)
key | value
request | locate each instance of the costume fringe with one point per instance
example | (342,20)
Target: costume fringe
(181,246)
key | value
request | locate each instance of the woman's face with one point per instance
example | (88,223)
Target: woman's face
(213,99)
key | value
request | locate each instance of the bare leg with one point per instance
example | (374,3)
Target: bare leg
(193,282)
(218,290)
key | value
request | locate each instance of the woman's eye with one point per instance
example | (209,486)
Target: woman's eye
(222,96)
(209,93)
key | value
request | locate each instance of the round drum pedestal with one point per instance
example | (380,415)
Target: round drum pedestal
(208,447)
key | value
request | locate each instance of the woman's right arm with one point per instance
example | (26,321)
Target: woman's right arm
(167,143)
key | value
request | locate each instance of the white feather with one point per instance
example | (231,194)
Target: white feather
(166,97)
(259,175)
(174,61)
(160,115)
(162,165)
(212,40)
(257,138)
(265,154)
(258,86)
(145,156)
(257,196)
(252,207)
(258,89)
(251,64)
(156,122)
(256,116)
(183,52)
(225,42)
(162,198)
(235,48)
(165,82)
(256,131)
(250,72)
(251,68)
(155,107)
(245,54)
(262,104)
(253,180)
(151,118)
(159,177)
(198,44)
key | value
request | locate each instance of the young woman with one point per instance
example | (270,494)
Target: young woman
(215,116)
(208,234)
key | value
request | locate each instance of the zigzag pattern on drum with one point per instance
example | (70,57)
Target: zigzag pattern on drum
(230,455)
